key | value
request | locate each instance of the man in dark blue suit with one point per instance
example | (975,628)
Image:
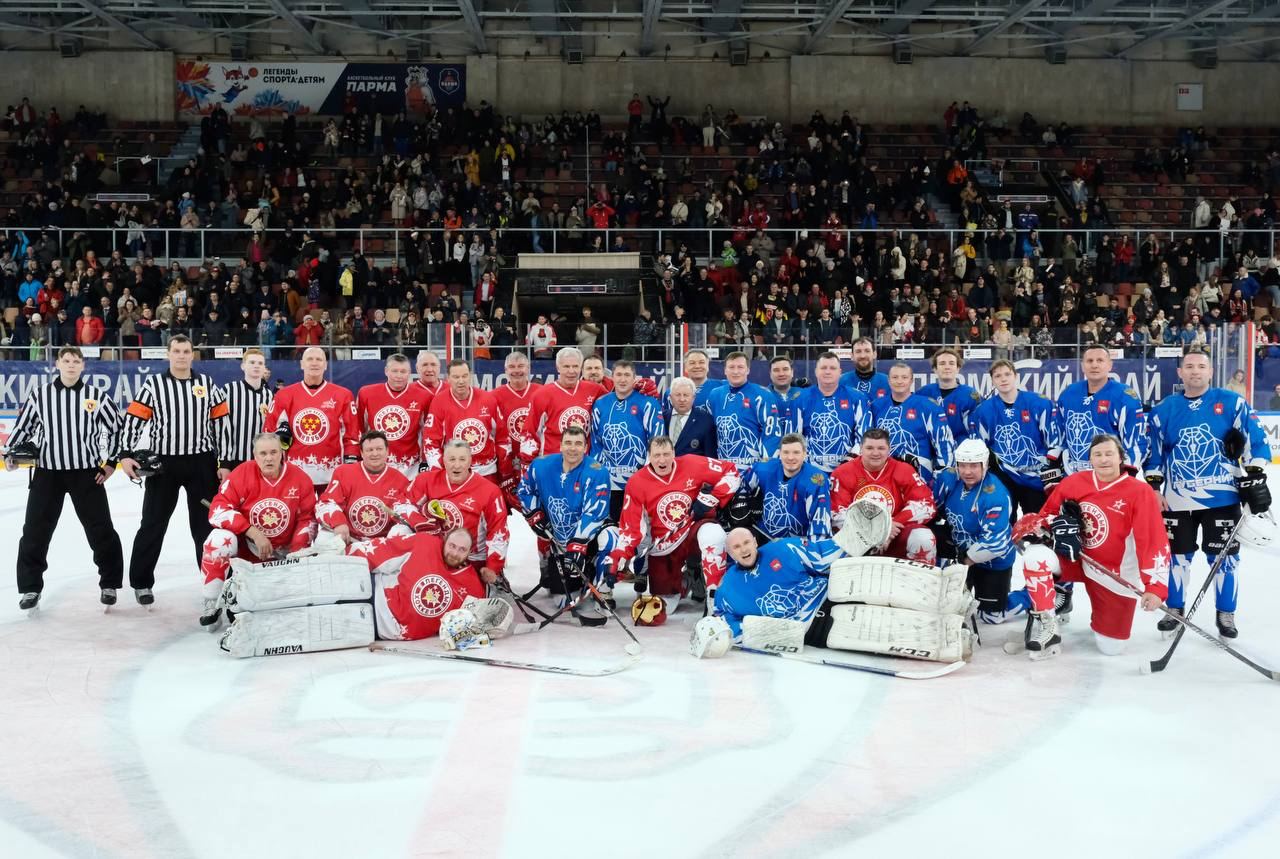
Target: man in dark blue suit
(691,430)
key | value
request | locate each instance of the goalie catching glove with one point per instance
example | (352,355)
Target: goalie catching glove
(475,624)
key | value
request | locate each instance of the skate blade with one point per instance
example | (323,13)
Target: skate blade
(1050,651)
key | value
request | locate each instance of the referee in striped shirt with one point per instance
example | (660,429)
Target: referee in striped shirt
(74,427)
(248,402)
(179,410)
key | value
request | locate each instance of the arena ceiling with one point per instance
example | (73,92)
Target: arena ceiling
(1239,29)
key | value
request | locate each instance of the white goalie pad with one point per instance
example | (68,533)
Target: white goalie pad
(900,584)
(867,523)
(326,542)
(316,580)
(300,630)
(899,632)
(774,634)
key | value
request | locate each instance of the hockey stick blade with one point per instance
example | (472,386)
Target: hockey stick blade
(941,671)
(424,653)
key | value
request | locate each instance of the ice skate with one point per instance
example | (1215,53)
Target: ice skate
(1167,625)
(145,597)
(108,599)
(29,601)
(1042,638)
(1227,625)
(211,616)
(1062,602)
(606,591)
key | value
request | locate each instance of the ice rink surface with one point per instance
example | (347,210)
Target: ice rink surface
(132,735)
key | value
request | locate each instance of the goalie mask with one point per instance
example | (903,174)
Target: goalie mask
(711,638)
(461,630)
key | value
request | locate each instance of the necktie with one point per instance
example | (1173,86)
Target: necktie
(677,425)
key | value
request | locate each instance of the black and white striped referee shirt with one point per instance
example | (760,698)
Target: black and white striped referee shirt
(247,406)
(179,414)
(74,427)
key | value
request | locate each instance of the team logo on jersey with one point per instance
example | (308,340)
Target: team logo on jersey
(198,391)
(951,408)
(911,414)
(673,509)
(515,422)
(270,516)
(453,516)
(368,516)
(1026,416)
(310,426)
(431,596)
(844,404)
(263,409)
(1217,408)
(392,420)
(635,410)
(875,492)
(775,565)
(91,406)
(574,416)
(1096,527)
(473,432)
(1104,406)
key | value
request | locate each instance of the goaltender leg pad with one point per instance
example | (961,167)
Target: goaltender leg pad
(899,632)
(867,524)
(774,634)
(300,630)
(900,584)
(316,580)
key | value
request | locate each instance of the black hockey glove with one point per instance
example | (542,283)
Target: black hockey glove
(947,547)
(350,458)
(285,435)
(704,503)
(1233,444)
(1252,486)
(802,382)
(422,466)
(741,512)
(1067,530)
(1155,481)
(538,524)
(573,563)
(1052,473)
(910,460)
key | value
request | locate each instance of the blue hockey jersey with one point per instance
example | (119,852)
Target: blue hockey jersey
(620,433)
(1021,434)
(917,427)
(979,518)
(832,425)
(796,506)
(1186,447)
(747,425)
(957,402)
(789,580)
(1114,409)
(873,387)
(787,407)
(576,502)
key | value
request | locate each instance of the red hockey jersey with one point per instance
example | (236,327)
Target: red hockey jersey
(476,504)
(513,409)
(323,423)
(1123,530)
(552,410)
(474,420)
(659,507)
(899,486)
(399,414)
(282,509)
(359,500)
(409,606)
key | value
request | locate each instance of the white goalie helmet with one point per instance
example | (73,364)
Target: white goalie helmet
(711,638)
(1258,530)
(972,450)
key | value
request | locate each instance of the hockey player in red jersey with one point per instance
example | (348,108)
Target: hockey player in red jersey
(667,516)
(428,366)
(264,509)
(512,399)
(354,505)
(467,413)
(315,420)
(398,409)
(566,402)
(1095,521)
(456,497)
(875,474)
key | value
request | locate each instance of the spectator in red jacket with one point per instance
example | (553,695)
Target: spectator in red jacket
(89,328)
(600,214)
(309,332)
(50,291)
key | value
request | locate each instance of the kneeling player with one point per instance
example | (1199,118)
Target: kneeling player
(792,494)
(356,502)
(665,520)
(1118,529)
(790,593)
(456,496)
(265,508)
(304,605)
(874,474)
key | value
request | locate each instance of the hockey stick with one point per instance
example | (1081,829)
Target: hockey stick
(1186,624)
(813,659)
(632,659)
(1158,665)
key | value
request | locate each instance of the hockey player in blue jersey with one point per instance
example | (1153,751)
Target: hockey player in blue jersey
(978,530)
(565,497)
(1099,405)
(956,398)
(794,497)
(1196,437)
(622,422)
(863,377)
(747,425)
(917,427)
(784,579)
(1021,429)
(831,416)
(782,386)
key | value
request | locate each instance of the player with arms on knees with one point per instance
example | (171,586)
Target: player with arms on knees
(899,487)
(1197,439)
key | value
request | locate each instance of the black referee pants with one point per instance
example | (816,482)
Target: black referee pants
(198,475)
(49,488)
